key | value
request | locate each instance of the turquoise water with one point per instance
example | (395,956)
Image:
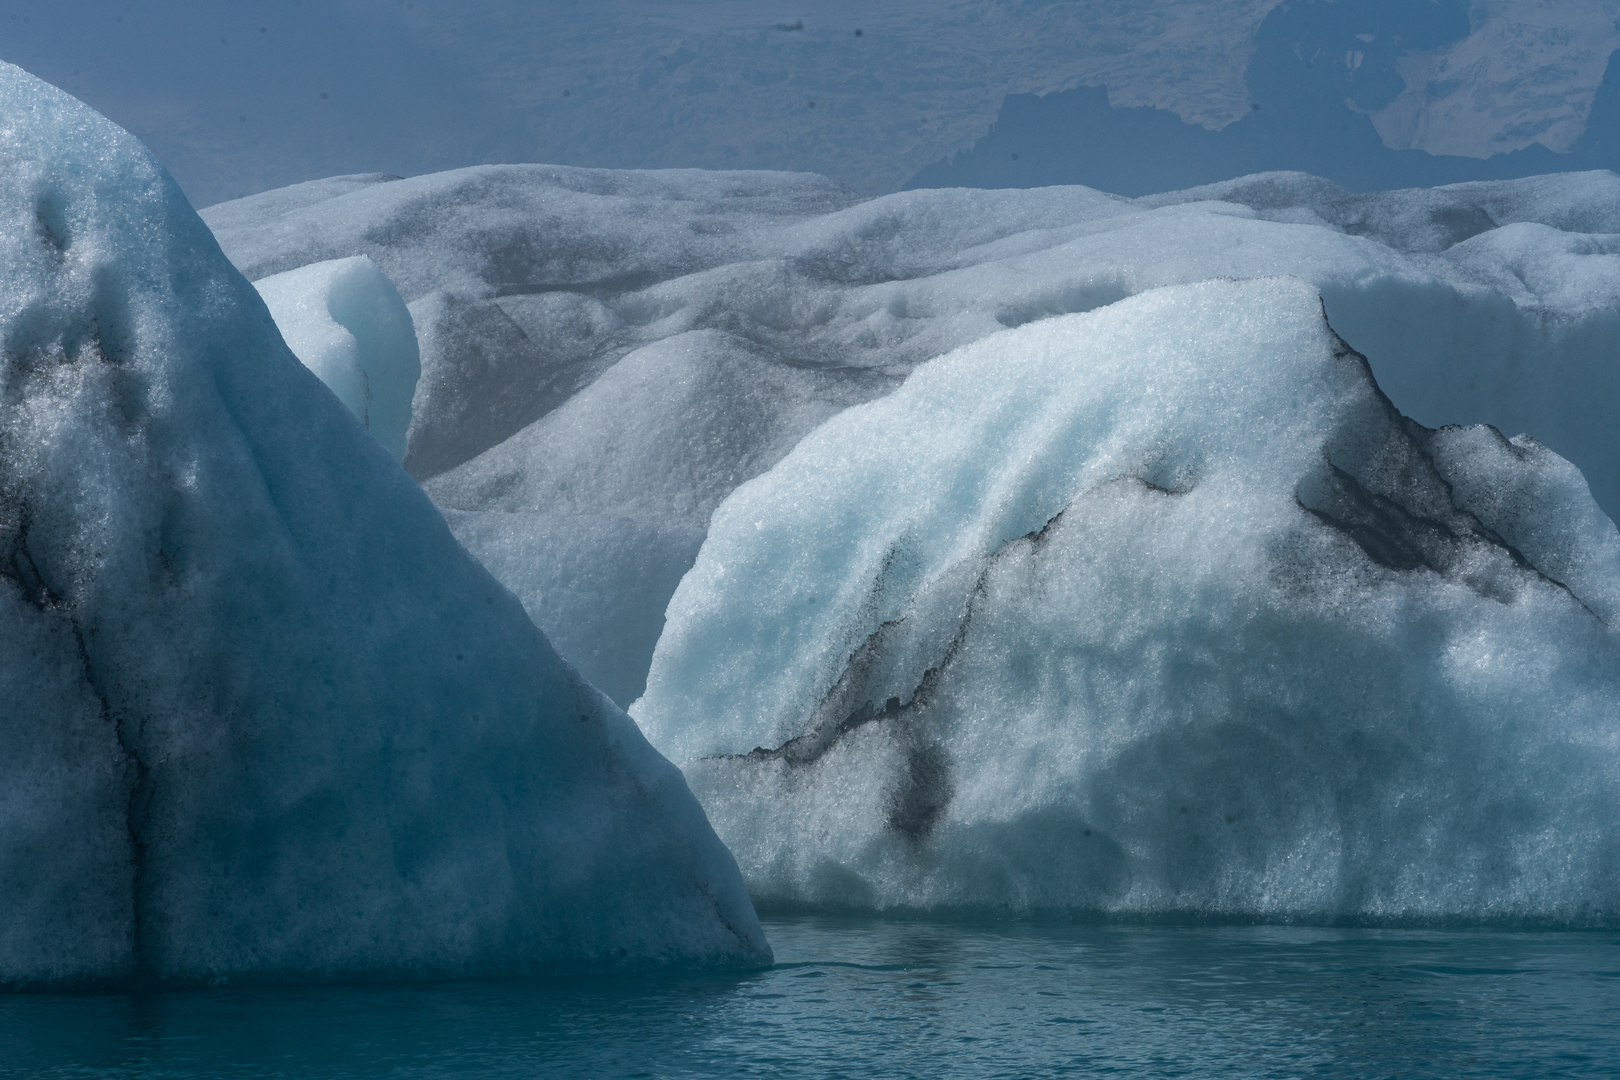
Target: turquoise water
(872,998)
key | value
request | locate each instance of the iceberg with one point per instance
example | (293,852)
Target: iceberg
(344,319)
(265,718)
(1158,610)
(561,308)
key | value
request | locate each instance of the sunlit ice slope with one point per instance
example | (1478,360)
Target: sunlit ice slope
(263,717)
(1160,610)
(606,355)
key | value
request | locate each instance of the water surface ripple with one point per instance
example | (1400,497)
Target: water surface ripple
(881,998)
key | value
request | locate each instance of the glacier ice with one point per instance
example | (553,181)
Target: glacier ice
(264,717)
(563,308)
(344,319)
(1158,609)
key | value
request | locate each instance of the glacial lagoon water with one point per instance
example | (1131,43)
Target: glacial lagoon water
(857,998)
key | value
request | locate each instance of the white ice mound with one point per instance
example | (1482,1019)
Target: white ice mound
(1162,608)
(344,319)
(263,717)
(625,347)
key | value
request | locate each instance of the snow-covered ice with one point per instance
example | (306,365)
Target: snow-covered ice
(264,717)
(1158,609)
(344,319)
(606,355)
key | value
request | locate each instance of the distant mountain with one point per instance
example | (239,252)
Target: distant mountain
(1329,81)
(243,97)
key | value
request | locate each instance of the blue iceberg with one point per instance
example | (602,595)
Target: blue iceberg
(264,718)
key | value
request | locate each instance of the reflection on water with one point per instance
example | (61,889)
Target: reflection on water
(871,998)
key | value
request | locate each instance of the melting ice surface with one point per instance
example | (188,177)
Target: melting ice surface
(263,716)
(607,354)
(1163,608)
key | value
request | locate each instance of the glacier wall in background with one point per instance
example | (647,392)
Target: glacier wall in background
(241,98)
(606,355)
(1158,609)
(264,718)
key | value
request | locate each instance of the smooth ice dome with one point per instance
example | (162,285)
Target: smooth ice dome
(264,717)
(607,354)
(344,319)
(1158,609)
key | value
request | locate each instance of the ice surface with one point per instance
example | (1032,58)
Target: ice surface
(344,319)
(1158,609)
(599,582)
(264,717)
(629,346)
(592,514)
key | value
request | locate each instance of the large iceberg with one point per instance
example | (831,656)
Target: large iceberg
(688,328)
(1159,609)
(264,717)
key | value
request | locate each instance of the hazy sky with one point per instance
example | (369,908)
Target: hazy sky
(241,96)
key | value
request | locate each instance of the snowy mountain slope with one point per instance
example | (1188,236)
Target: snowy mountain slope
(365,85)
(1525,74)
(1161,609)
(264,718)
(1371,94)
(606,355)
(244,97)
